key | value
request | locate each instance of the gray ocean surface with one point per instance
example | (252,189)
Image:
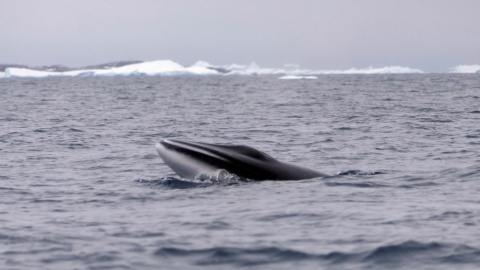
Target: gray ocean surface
(82,187)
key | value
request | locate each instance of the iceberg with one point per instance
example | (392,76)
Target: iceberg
(465,69)
(151,68)
(25,72)
(156,68)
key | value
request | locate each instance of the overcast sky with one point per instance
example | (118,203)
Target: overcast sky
(432,35)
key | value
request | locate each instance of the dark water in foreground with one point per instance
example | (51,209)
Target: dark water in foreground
(81,186)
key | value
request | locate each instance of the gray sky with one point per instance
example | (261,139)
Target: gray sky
(432,35)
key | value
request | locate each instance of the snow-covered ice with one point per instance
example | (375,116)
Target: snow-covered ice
(150,68)
(168,67)
(465,69)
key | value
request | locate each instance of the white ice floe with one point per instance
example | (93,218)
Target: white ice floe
(252,69)
(465,69)
(25,72)
(291,69)
(295,70)
(372,70)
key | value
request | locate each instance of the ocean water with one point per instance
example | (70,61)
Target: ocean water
(82,187)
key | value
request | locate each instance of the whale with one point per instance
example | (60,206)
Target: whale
(191,159)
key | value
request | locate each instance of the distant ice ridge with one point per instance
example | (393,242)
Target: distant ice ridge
(465,69)
(372,70)
(151,68)
(294,70)
(168,67)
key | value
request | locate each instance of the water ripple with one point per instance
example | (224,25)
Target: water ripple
(390,255)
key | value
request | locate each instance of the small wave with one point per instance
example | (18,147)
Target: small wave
(358,172)
(303,216)
(97,260)
(421,184)
(243,257)
(77,146)
(173,183)
(75,130)
(470,173)
(139,234)
(46,201)
(452,215)
(408,253)
(434,120)
(365,184)
(359,184)
(413,252)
